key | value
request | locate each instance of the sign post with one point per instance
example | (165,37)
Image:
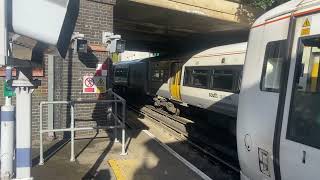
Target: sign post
(7,111)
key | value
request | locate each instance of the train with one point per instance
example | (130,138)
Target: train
(208,80)
(278,126)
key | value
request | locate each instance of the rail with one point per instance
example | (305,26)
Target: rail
(112,105)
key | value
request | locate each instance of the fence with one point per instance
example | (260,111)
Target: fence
(119,121)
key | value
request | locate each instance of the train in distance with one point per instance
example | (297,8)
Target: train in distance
(208,80)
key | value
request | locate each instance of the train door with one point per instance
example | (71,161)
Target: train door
(299,145)
(175,74)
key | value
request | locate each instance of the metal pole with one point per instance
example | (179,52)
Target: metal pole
(7,111)
(7,141)
(41,137)
(24,89)
(123,143)
(51,62)
(115,122)
(7,134)
(72,159)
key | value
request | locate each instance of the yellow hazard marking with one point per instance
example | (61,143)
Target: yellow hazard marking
(314,77)
(306,23)
(116,170)
(306,28)
(305,31)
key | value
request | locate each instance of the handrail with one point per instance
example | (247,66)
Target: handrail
(112,105)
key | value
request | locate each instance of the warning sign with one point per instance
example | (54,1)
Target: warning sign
(306,23)
(94,84)
(101,84)
(306,27)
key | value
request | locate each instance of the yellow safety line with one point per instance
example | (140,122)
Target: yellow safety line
(116,169)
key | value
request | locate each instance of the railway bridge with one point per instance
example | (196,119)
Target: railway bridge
(164,25)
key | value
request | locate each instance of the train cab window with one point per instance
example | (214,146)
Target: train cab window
(223,80)
(157,75)
(121,72)
(195,77)
(304,119)
(272,66)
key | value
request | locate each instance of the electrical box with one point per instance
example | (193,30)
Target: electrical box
(48,21)
(82,46)
(117,46)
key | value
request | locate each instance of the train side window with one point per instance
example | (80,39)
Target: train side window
(304,120)
(223,80)
(272,67)
(197,77)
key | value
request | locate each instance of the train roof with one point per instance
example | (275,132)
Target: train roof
(230,49)
(284,9)
(238,48)
(129,62)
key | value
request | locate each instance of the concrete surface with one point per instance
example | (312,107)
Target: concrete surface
(146,160)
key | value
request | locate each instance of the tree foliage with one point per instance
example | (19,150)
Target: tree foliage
(265,4)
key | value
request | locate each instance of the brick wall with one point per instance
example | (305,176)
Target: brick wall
(95,17)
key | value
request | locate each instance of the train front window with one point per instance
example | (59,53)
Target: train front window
(157,75)
(304,120)
(121,72)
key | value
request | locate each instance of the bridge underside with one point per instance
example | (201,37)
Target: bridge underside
(181,25)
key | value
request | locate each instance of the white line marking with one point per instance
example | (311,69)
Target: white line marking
(183,160)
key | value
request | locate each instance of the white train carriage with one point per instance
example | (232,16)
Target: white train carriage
(208,80)
(278,122)
(212,79)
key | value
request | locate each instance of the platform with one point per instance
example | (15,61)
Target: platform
(100,158)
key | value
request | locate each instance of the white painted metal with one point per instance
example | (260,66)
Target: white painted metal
(23,133)
(252,113)
(224,102)
(41,20)
(258,109)
(51,73)
(7,142)
(72,126)
(7,134)
(119,123)
(291,152)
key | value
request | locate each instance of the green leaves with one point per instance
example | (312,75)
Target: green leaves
(264,4)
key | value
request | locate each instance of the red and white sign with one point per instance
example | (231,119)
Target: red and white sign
(88,84)
(94,84)
(102,70)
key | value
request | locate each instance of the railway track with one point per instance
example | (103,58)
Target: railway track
(177,127)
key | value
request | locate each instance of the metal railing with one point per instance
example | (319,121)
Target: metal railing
(119,121)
